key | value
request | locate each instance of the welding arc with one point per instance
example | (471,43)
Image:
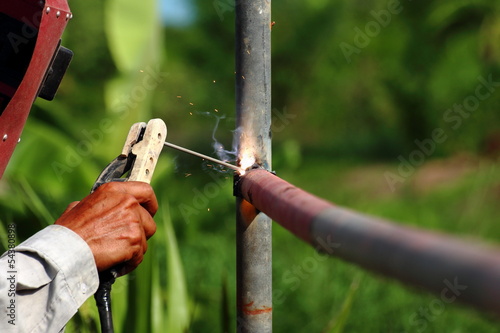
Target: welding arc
(188,151)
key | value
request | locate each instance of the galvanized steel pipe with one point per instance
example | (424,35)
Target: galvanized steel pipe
(253,114)
(447,266)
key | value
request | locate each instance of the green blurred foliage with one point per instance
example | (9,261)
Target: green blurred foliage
(342,117)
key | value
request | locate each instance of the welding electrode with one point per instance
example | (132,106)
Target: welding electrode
(227,165)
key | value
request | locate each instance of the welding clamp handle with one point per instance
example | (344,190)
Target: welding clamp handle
(139,156)
(147,150)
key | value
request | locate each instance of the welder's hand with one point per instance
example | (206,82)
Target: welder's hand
(115,221)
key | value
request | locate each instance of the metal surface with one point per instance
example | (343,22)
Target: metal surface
(253,114)
(205,157)
(451,268)
(45,23)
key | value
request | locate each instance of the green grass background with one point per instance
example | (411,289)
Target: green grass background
(339,128)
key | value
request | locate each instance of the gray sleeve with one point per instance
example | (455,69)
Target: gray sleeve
(53,273)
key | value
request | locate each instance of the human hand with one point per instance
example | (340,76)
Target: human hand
(115,221)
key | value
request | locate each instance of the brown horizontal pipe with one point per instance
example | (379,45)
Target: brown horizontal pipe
(288,205)
(451,268)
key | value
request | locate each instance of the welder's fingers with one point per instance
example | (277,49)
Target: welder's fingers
(137,257)
(147,222)
(137,240)
(115,221)
(144,194)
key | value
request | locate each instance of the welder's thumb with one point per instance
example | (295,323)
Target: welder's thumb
(71,206)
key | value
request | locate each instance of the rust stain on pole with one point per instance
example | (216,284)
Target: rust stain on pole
(253,114)
(451,268)
(249,309)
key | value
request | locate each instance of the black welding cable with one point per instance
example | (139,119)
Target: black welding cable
(103,300)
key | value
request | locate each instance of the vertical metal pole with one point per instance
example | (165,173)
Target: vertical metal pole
(253,114)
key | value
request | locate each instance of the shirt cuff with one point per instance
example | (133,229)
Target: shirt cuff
(70,255)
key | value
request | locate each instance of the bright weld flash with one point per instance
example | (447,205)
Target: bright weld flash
(246,162)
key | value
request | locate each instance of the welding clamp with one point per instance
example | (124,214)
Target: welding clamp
(136,162)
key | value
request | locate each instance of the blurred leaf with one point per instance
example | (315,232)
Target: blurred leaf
(135,40)
(35,204)
(132,28)
(338,323)
(443,13)
(178,303)
(489,37)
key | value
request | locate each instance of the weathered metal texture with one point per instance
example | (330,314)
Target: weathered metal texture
(453,269)
(41,20)
(253,112)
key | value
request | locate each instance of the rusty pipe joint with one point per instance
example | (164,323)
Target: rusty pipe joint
(238,176)
(286,204)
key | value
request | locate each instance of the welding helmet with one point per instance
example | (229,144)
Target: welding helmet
(32,62)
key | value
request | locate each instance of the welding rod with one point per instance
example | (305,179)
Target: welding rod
(227,165)
(451,268)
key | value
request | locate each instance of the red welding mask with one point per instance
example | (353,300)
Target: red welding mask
(32,62)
